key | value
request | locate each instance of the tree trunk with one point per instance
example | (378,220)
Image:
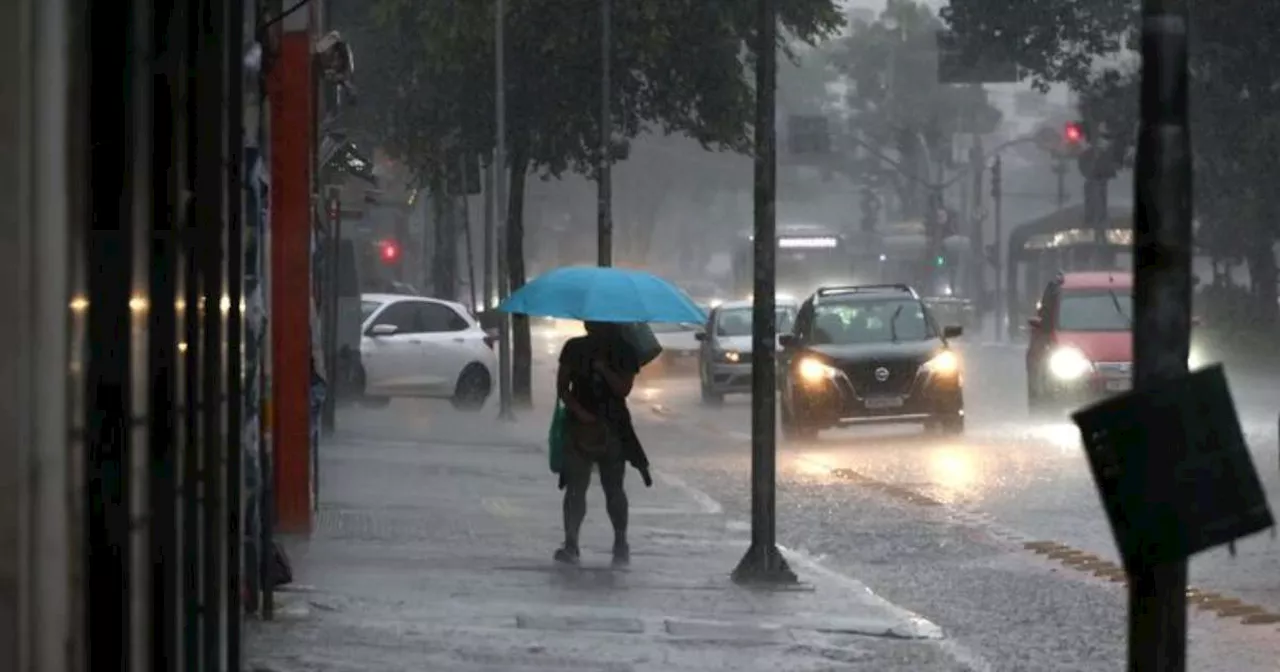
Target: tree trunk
(1263,276)
(443,263)
(521,343)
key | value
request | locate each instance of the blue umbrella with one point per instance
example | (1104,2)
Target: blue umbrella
(596,294)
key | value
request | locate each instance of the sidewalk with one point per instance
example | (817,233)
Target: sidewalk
(436,555)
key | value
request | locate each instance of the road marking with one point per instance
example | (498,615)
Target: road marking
(1220,605)
(1081,561)
(705,502)
(501,507)
(914,625)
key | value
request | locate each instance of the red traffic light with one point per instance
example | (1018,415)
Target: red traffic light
(1073,133)
(389,250)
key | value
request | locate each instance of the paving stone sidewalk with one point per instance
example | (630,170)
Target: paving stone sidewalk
(433,552)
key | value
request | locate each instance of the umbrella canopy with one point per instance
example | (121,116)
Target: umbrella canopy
(641,338)
(600,294)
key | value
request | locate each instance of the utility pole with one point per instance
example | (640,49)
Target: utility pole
(466,231)
(1162,293)
(997,217)
(604,171)
(763,562)
(489,235)
(977,222)
(500,207)
(333,286)
(1060,171)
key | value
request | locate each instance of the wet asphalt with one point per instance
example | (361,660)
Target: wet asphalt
(997,536)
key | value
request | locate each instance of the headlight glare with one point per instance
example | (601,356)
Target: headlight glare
(945,363)
(1069,364)
(813,371)
(731,356)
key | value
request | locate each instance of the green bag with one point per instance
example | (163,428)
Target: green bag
(556,437)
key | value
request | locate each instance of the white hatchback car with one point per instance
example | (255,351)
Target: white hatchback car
(413,346)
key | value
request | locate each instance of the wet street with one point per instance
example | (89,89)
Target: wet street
(987,552)
(998,536)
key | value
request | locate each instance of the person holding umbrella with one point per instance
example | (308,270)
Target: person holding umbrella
(595,376)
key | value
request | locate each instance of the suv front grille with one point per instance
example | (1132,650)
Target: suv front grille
(901,376)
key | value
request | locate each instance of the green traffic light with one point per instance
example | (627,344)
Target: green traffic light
(940,261)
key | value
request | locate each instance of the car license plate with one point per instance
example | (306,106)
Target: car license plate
(1122,385)
(884,402)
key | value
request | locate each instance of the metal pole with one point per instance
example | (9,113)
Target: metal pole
(467,237)
(997,217)
(489,235)
(1162,292)
(328,409)
(977,237)
(210,218)
(500,208)
(233,52)
(604,172)
(262,382)
(1060,169)
(763,561)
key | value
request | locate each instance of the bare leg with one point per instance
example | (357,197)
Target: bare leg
(577,480)
(612,473)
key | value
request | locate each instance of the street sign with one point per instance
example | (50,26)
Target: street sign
(973,61)
(1173,470)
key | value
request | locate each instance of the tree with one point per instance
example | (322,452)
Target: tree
(1233,97)
(677,68)
(896,102)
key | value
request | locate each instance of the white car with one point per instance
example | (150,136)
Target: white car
(413,346)
(679,346)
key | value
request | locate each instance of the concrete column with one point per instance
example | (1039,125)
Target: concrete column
(37,632)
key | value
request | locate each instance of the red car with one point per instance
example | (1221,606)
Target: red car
(1081,340)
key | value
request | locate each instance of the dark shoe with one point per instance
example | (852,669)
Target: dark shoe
(621,554)
(566,555)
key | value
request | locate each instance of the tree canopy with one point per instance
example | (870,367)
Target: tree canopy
(1088,44)
(678,67)
(896,102)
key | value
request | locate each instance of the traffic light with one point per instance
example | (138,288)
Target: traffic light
(389,252)
(940,261)
(1073,134)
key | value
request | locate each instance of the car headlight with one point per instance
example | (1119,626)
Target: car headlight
(1069,364)
(731,356)
(945,363)
(814,371)
(1195,359)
